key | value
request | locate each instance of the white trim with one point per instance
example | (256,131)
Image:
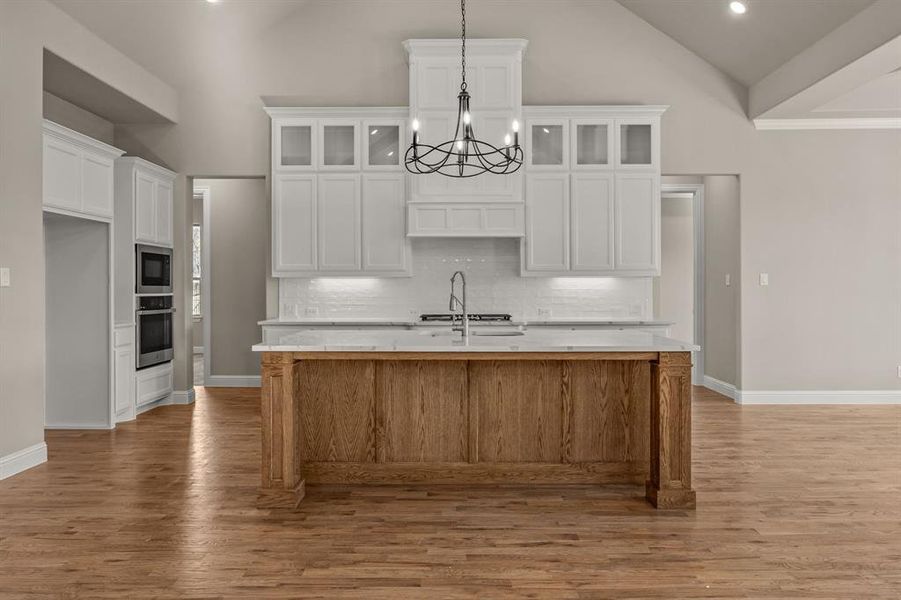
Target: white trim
(576,111)
(848,123)
(700,283)
(231,380)
(183,396)
(347,112)
(818,397)
(76,214)
(176,398)
(206,236)
(198,350)
(23,459)
(79,139)
(103,426)
(720,387)
(474,47)
(146,165)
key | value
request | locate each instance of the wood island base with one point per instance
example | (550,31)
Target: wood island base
(478,418)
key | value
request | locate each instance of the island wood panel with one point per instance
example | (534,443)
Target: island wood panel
(610,411)
(519,410)
(337,408)
(280,420)
(422,411)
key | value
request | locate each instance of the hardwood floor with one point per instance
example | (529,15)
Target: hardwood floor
(792,502)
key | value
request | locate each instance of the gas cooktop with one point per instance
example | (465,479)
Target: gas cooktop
(448,317)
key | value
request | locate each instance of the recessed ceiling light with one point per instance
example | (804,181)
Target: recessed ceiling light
(213,1)
(737,7)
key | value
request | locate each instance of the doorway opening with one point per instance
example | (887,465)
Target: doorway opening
(230,233)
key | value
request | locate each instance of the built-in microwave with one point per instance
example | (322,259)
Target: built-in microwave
(153,274)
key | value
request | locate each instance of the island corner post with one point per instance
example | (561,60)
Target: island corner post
(476,418)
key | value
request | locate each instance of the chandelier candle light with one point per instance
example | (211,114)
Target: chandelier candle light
(464,155)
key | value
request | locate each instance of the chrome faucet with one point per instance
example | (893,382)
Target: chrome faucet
(456,303)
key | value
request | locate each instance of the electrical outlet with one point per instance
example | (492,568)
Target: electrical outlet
(311,311)
(4,276)
(899,371)
(289,311)
(544,312)
(764,279)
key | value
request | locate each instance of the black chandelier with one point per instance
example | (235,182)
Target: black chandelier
(464,155)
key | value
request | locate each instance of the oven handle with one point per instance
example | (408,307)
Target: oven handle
(156,312)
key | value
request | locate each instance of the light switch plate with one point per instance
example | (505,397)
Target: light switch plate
(764,279)
(544,312)
(4,276)
(728,279)
(311,311)
(289,311)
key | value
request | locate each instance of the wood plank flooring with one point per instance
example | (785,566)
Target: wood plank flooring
(793,502)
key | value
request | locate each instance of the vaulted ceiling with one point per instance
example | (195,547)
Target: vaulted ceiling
(750,46)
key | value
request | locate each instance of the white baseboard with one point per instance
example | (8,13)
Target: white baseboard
(183,396)
(198,349)
(178,397)
(78,426)
(21,460)
(818,397)
(231,381)
(721,387)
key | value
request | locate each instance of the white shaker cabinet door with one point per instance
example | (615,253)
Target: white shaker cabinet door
(637,216)
(62,175)
(97,184)
(145,208)
(164,213)
(592,222)
(384,230)
(547,222)
(338,217)
(294,225)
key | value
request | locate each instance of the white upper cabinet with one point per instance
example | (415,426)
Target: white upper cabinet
(339,192)
(637,226)
(384,243)
(441,206)
(591,215)
(383,144)
(338,217)
(293,224)
(78,173)
(150,188)
(547,144)
(610,221)
(294,144)
(339,145)
(592,144)
(638,143)
(547,222)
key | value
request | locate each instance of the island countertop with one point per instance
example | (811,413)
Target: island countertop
(543,340)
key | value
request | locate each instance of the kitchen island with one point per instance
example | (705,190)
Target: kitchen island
(426,407)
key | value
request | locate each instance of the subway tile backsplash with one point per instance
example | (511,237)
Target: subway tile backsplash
(493,285)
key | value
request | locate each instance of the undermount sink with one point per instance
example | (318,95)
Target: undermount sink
(476,332)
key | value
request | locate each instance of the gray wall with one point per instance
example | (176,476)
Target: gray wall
(238,236)
(68,115)
(722,234)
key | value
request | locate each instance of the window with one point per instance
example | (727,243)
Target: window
(195,283)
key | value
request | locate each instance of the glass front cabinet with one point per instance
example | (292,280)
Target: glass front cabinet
(592,191)
(339,192)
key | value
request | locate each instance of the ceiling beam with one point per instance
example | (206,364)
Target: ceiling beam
(865,47)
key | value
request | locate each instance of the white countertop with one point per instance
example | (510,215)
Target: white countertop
(386,322)
(423,340)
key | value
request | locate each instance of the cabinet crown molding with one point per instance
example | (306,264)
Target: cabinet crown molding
(474,47)
(141,163)
(80,140)
(341,112)
(595,110)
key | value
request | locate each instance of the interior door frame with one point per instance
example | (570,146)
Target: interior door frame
(205,283)
(696,190)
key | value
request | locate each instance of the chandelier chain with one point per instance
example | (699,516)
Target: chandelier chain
(463,41)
